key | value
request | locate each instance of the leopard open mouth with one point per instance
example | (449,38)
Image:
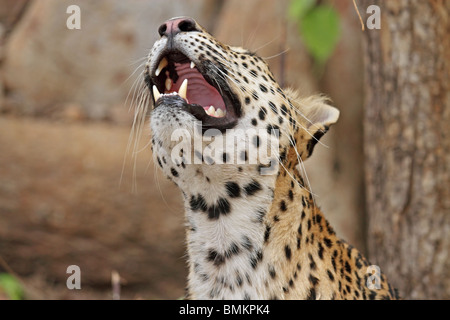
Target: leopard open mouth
(176,81)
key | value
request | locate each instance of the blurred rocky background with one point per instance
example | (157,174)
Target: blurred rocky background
(66,178)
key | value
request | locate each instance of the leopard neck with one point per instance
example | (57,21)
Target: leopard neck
(295,229)
(231,228)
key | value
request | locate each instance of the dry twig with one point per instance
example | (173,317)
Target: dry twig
(357,11)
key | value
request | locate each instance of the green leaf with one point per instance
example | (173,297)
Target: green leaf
(11,286)
(299,8)
(320,31)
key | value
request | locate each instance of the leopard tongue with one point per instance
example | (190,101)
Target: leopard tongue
(199,91)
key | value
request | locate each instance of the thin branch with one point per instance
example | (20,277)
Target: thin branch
(357,11)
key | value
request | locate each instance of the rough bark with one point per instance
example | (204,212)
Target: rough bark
(407,143)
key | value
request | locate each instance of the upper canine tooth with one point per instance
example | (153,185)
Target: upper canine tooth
(192,65)
(161,66)
(156,93)
(183,89)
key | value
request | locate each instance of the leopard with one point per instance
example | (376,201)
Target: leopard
(253,229)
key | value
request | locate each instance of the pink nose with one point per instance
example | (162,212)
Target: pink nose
(177,25)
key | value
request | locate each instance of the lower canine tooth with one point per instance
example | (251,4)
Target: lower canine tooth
(192,65)
(156,93)
(183,89)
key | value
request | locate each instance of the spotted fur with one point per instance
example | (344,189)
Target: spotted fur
(254,236)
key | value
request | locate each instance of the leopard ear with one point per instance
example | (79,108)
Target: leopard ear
(320,113)
(316,116)
(321,116)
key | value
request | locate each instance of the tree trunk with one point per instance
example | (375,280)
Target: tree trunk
(407,144)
